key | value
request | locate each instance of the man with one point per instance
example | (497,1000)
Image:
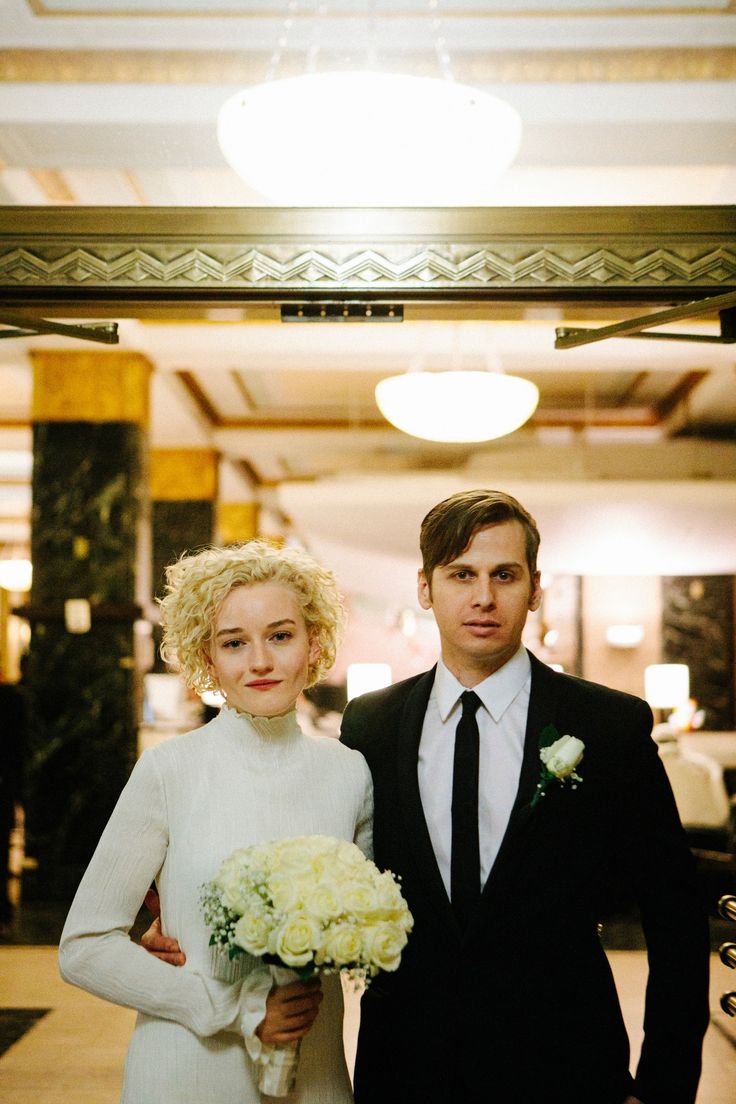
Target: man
(504,993)
(509,997)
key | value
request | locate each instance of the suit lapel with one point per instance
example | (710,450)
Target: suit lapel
(410,732)
(542,711)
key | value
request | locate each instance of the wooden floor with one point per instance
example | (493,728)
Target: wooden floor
(75,1052)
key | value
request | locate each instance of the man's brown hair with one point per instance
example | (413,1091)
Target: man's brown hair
(449,527)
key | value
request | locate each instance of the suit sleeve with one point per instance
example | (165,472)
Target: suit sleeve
(653,851)
(350,727)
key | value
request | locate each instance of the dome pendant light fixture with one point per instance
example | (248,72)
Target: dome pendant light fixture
(457,406)
(368,139)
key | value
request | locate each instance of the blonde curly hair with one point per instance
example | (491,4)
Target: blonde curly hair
(197,585)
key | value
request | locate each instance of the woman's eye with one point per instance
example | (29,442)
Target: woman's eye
(233,644)
(279,636)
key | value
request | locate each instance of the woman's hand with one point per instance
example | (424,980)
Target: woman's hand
(290,1012)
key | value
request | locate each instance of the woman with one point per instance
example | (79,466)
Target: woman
(259,624)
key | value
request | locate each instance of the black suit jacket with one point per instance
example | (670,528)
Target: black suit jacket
(521,1007)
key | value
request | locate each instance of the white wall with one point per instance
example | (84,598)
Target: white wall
(614,600)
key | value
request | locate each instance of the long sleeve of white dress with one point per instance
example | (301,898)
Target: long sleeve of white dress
(96,952)
(189,803)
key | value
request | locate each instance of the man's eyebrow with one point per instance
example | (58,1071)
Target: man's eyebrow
(271,625)
(461,565)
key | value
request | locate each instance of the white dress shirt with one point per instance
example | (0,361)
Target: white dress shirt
(501,726)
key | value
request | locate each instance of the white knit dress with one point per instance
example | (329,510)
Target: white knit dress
(188,803)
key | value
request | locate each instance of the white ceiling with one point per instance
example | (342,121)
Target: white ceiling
(105,103)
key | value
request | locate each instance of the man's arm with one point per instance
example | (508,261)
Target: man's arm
(651,849)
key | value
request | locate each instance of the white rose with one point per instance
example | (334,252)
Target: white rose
(388,892)
(359,898)
(350,855)
(295,940)
(252,933)
(322,901)
(236,894)
(284,890)
(562,757)
(384,944)
(297,856)
(343,945)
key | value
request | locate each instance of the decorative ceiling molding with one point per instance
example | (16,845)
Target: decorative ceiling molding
(246,66)
(418,11)
(653,254)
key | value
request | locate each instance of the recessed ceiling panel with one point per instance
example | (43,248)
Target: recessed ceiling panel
(346,393)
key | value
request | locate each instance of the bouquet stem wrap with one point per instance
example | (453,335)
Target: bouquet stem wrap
(277,1075)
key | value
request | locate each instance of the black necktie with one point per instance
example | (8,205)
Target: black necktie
(465,864)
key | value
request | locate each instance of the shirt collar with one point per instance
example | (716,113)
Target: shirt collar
(496,692)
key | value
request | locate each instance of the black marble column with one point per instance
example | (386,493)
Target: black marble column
(90,411)
(698,629)
(178,527)
(183,487)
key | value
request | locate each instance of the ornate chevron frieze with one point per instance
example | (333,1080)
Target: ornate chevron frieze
(316,268)
(676,255)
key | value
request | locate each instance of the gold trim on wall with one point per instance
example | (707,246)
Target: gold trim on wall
(237,521)
(237,66)
(183,475)
(84,386)
(53,185)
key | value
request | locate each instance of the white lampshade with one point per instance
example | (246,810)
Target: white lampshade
(624,636)
(362,677)
(368,140)
(666,685)
(16,575)
(456,406)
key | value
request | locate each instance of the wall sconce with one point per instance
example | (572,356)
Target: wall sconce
(407,623)
(363,677)
(624,636)
(666,685)
(16,575)
(77,615)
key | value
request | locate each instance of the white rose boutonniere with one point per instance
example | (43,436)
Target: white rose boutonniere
(560,755)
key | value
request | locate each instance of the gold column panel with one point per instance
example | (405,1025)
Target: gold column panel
(182,475)
(90,386)
(237,521)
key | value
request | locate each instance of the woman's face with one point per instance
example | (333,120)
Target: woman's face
(261,650)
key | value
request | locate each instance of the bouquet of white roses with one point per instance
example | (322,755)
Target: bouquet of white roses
(311,904)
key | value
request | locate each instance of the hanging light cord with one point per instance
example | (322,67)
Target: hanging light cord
(282,41)
(440,43)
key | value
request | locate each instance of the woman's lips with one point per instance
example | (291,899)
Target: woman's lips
(262,684)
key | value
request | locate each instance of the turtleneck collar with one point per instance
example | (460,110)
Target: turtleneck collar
(264,736)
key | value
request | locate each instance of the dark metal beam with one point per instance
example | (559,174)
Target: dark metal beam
(104,332)
(567,338)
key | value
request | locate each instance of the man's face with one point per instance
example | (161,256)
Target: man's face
(481,600)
